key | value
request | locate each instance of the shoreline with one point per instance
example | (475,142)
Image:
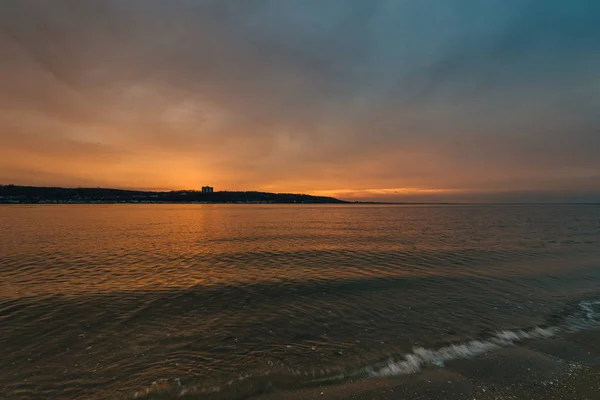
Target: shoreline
(563,367)
(540,362)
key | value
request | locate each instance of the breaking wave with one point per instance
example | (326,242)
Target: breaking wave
(584,318)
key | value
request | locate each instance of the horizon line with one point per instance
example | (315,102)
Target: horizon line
(348,201)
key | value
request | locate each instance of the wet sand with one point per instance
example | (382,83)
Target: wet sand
(565,367)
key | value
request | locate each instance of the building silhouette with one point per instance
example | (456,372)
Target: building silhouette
(207,189)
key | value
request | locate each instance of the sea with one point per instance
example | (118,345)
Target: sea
(132,301)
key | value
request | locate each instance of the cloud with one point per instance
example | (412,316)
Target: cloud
(348,96)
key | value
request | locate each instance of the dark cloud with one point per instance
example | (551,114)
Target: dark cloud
(354,96)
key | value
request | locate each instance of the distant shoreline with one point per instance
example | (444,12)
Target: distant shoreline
(17,194)
(14,194)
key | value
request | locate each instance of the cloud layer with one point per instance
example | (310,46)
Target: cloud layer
(391,99)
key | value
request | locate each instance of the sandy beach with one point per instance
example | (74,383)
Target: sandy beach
(565,367)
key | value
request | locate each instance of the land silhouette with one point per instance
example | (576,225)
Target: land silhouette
(15,194)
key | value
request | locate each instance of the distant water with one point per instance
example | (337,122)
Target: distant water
(121,300)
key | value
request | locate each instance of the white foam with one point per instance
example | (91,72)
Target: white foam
(420,357)
(588,308)
(586,318)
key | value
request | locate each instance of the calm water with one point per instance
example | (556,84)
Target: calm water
(101,301)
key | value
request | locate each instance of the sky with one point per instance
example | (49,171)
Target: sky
(392,100)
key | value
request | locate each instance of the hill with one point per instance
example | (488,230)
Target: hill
(13,194)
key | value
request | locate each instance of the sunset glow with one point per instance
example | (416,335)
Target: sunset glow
(495,103)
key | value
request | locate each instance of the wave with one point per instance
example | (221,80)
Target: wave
(421,357)
(584,318)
